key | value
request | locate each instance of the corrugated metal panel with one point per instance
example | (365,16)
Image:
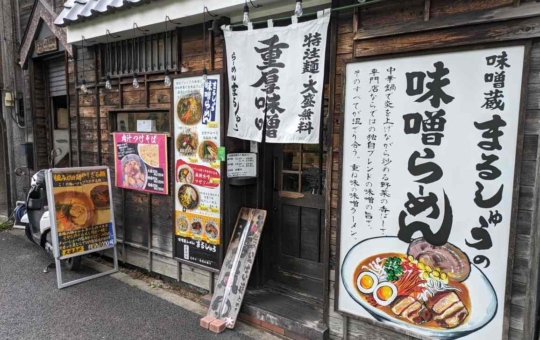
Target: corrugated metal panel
(57,77)
(79,10)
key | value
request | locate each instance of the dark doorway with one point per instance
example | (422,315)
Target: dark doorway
(298,217)
(50,111)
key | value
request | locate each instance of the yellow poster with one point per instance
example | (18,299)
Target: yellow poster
(82,211)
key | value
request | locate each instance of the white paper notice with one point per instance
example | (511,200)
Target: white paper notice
(241,165)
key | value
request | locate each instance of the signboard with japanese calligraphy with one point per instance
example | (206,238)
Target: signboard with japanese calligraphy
(197,170)
(81,212)
(427,188)
(241,165)
(276,80)
(141,162)
(48,44)
(234,276)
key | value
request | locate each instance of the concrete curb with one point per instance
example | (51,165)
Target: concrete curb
(180,301)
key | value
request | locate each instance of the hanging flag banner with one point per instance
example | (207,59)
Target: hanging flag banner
(277,74)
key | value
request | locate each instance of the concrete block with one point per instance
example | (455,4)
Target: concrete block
(206,321)
(217,326)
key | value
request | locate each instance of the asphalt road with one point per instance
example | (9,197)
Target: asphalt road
(31,306)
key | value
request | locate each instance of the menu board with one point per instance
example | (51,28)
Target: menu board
(141,162)
(241,165)
(197,170)
(81,211)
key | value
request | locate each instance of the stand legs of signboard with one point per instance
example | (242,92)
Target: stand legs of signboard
(74,282)
(213,324)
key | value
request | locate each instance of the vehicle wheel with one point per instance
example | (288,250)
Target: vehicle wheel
(28,232)
(74,263)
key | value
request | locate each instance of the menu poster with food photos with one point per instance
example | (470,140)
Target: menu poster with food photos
(427,190)
(141,162)
(197,170)
(81,211)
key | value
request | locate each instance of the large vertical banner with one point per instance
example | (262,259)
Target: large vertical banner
(276,80)
(429,149)
(197,170)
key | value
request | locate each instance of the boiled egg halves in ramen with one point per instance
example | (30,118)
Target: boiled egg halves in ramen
(367,282)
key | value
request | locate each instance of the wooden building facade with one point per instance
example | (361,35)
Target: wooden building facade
(296,263)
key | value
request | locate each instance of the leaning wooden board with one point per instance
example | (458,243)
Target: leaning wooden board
(236,269)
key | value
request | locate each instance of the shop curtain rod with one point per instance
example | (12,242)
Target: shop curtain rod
(336,9)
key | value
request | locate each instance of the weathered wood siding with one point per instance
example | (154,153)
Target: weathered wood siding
(391,17)
(148,237)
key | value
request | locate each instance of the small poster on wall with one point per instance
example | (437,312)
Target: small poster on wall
(427,191)
(141,162)
(197,170)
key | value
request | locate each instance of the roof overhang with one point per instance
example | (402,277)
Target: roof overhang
(150,15)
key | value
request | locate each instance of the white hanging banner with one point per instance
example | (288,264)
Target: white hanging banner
(278,71)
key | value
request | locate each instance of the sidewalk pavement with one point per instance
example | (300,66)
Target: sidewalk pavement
(31,306)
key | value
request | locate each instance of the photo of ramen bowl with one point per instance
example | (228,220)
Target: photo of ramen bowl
(185,174)
(74,210)
(189,109)
(187,142)
(212,232)
(196,228)
(149,153)
(182,225)
(188,197)
(100,197)
(419,287)
(208,151)
(134,172)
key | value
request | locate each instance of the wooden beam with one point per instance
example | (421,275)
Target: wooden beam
(526,10)
(427,9)
(458,36)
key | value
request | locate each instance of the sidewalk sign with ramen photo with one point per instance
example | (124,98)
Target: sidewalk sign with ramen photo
(81,214)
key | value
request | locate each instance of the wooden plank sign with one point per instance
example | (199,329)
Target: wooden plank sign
(428,190)
(49,44)
(236,269)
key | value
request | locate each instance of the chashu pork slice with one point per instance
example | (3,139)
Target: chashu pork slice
(456,307)
(454,320)
(417,313)
(402,303)
(442,301)
(449,310)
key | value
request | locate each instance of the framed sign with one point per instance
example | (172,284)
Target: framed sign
(141,162)
(198,137)
(45,45)
(428,188)
(81,214)
(241,165)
